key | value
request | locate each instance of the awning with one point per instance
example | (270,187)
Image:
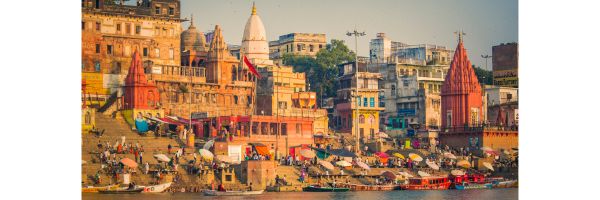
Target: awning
(336,152)
(257,144)
(262,150)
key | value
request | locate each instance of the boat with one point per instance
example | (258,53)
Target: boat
(95,189)
(357,187)
(466,186)
(506,184)
(122,191)
(231,193)
(156,188)
(313,188)
(427,183)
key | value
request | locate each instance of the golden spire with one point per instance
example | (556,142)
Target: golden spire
(253,9)
(192,21)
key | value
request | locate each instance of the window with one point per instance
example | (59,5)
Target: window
(358,100)
(97,26)
(372,102)
(171,11)
(449,118)
(118,27)
(116,68)
(361,119)
(109,49)
(311,48)
(157,10)
(365,102)
(145,52)
(138,29)
(82,25)
(235,99)
(157,53)
(97,66)
(299,47)
(128,28)
(320,46)
(171,54)
(393,90)
(97,48)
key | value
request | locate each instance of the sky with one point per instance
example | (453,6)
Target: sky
(486,22)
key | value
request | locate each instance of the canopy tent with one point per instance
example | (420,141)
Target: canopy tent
(261,149)
(382,155)
(398,155)
(363,165)
(463,163)
(162,157)
(343,163)
(141,125)
(324,153)
(433,166)
(449,155)
(206,154)
(307,153)
(406,174)
(415,157)
(129,163)
(326,164)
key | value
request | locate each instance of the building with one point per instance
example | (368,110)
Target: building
(254,41)
(141,97)
(303,44)
(505,64)
(502,105)
(111,33)
(463,110)
(412,97)
(384,50)
(367,100)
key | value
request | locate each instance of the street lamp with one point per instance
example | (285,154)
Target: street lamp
(486,60)
(356,34)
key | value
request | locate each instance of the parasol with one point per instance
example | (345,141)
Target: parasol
(398,155)
(83,162)
(406,174)
(433,166)
(307,153)
(389,175)
(486,149)
(208,144)
(326,164)
(224,158)
(415,157)
(206,154)
(423,174)
(382,155)
(363,165)
(449,155)
(488,166)
(162,158)
(129,163)
(464,163)
(343,163)
(457,172)
(383,135)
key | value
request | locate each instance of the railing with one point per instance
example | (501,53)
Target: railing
(482,127)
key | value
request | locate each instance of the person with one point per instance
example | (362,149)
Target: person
(342,172)
(169,148)
(277,179)
(283,180)
(141,153)
(250,186)
(136,154)
(146,168)
(221,188)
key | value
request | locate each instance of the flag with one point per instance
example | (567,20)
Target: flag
(251,67)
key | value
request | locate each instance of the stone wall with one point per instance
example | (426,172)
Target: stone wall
(259,173)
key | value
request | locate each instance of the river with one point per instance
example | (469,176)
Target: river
(496,194)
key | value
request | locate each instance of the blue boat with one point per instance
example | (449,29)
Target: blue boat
(467,186)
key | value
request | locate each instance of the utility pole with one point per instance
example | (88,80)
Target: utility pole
(486,60)
(356,34)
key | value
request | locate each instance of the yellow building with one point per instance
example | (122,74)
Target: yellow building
(306,44)
(366,100)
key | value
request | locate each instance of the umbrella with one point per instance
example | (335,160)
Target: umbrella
(423,174)
(224,158)
(488,165)
(492,152)
(162,158)
(383,135)
(343,163)
(432,165)
(129,163)
(206,154)
(398,155)
(406,174)
(382,155)
(83,162)
(307,153)
(326,164)
(208,144)
(389,175)
(506,152)
(464,163)
(363,165)
(486,149)
(449,155)
(457,172)
(415,157)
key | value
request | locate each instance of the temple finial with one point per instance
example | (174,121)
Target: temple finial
(460,35)
(253,8)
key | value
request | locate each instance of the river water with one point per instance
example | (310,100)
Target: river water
(496,194)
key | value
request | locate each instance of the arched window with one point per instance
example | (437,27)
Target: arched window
(88,118)
(361,119)
(393,90)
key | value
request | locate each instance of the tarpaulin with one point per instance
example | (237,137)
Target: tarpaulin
(141,126)
(262,150)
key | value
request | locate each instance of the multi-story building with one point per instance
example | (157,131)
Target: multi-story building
(412,97)
(502,105)
(112,32)
(366,99)
(384,50)
(306,44)
(505,64)
(381,48)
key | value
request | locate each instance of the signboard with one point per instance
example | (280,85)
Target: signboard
(406,112)
(199,115)
(508,78)
(94,83)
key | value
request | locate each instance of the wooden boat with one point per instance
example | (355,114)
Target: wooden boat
(156,188)
(506,184)
(313,188)
(356,187)
(231,193)
(466,186)
(95,189)
(121,191)
(427,183)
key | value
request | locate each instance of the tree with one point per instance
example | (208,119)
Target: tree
(484,76)
(322,71)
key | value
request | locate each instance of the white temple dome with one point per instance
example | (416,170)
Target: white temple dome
(254,41)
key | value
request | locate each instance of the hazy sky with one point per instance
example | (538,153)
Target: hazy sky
(486,22)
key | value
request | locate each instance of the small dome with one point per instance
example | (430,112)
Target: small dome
(193,39)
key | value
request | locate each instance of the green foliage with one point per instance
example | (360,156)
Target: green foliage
(322,71)
(484,76)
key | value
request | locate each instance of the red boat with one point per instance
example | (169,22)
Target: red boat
(427,183)
(470,178)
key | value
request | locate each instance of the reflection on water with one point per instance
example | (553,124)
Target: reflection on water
(497,194)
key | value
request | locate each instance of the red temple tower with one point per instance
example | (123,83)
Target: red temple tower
(462,104)
(139,92)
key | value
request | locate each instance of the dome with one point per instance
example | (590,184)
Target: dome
(254,41)
(193,39)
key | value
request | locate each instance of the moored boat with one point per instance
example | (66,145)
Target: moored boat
(121,191)
(356,187)
(506,184)
(313,188)
(96,189)
(427,183)
(231,193)
(156,188)
(466,186)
